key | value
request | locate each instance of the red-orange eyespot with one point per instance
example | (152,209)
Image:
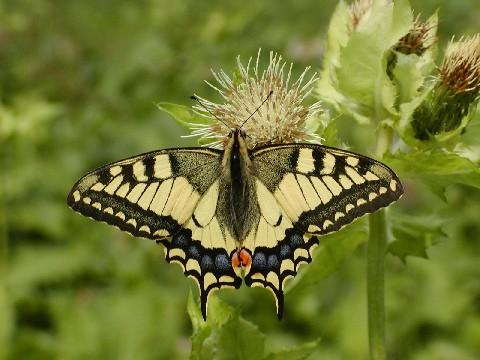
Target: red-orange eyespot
(236,260)
(245,257)
(241,258)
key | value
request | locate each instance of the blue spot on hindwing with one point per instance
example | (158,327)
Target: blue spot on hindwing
(180,241)
(222,263)
(296,240)
(206,264)
(194,252)
(273,262)
(285,251)
(259,261)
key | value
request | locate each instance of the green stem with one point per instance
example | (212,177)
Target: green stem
(376,250)
(376,284)
(3,221)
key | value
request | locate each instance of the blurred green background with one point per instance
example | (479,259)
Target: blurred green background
(78,85)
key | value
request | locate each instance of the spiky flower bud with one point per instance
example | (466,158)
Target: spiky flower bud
(419,39)
(282,118)
(460,71)
(456,92)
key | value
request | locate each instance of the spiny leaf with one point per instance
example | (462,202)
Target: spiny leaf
(437,168)
(414,234)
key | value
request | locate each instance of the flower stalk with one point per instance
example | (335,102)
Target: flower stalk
(3,222)
(376,249)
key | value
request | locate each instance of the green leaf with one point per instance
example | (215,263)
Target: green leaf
(362,73)
(437,169)
(414,234)
(300,352)
(225,335)
(239,339)
(410,72)
(184,115)
(337,37)
(195,314)
(330,136)
(407,109)
(360,84)
(470,146)
(333,249)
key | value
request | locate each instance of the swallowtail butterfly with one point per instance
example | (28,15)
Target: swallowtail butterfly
(235,213)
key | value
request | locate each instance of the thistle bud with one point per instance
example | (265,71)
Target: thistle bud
(455,93)
(268,105)
(419,39)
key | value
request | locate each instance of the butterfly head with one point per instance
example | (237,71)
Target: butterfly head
(238,133)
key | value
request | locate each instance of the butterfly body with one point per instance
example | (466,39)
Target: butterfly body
(224,215)
(240,203)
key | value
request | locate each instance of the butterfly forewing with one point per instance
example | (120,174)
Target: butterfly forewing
(169,196)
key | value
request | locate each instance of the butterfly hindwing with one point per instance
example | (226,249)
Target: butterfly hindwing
(272,265)
(210,267)
(169,196)
(276,247)
(311,190)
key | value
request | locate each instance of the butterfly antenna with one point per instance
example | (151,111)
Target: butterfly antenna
(259,106)
(193,97)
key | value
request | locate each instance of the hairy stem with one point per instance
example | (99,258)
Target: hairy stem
(376,249)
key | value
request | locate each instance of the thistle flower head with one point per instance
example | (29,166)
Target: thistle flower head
(419,39)
(282,118)
(460,70)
